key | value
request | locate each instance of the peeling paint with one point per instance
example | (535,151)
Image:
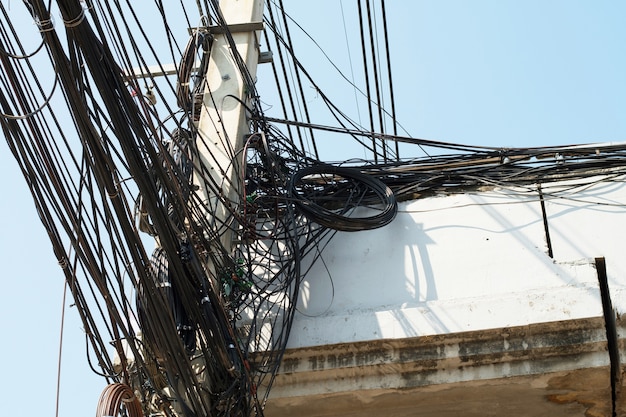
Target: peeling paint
(589,387)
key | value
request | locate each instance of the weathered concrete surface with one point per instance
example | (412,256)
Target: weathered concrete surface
(545,369)
(549,395)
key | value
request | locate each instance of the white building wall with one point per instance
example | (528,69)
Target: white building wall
(465,262)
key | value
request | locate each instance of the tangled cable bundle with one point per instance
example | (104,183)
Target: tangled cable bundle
(200,326)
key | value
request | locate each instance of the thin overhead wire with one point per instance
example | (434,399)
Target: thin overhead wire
(390,76)
(375,58)
(345,32)
(367,79)
(299,81)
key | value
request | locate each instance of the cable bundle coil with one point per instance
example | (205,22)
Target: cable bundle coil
(115,398)
(328,195)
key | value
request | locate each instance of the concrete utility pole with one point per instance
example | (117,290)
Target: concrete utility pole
(223,124)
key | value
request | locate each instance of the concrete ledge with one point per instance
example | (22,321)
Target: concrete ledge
(521,358)
(577,393)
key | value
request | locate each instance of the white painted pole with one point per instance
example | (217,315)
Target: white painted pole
(223,120)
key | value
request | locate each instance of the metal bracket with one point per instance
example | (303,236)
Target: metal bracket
(234,28)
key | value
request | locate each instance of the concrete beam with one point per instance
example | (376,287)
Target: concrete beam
(556,368)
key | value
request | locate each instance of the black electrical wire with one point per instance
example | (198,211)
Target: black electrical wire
(270,20)
(367,80)
(299,80)
(389,75)
(374,56)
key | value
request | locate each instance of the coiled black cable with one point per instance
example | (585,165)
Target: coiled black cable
(328,194)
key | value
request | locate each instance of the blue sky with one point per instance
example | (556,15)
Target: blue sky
(496,73)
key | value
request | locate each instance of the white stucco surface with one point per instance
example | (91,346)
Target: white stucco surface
(471,261)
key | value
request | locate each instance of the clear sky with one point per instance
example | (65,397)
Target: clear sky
(497,73)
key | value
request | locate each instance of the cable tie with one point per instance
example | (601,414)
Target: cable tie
(45,25)
(164,284)
(63,263)
(184,84)
(205,300)
(76,21)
